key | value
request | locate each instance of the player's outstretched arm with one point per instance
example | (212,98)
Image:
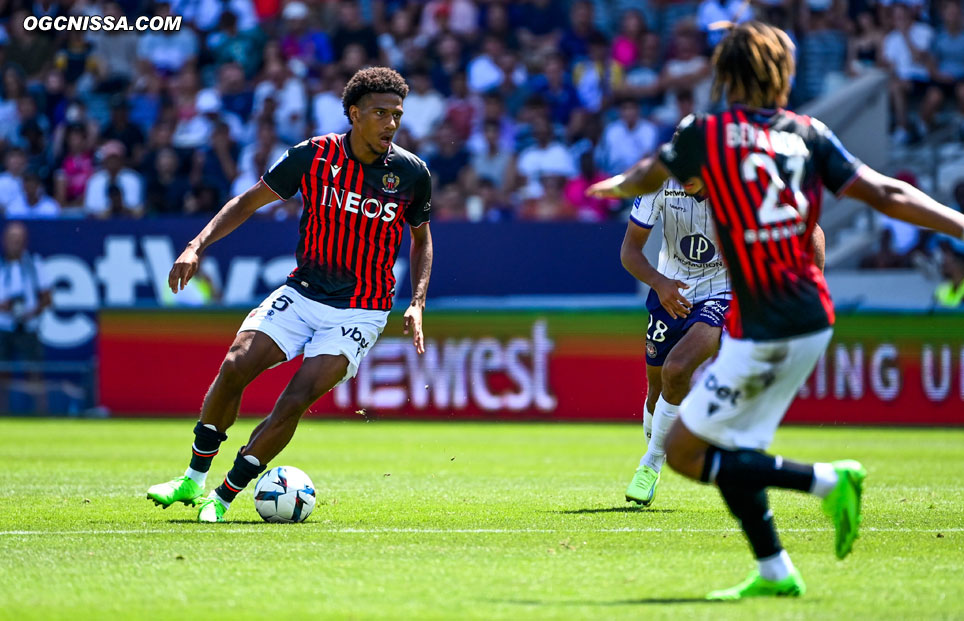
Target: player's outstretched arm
(644,177)
(636,263)
(420,257)
(230,217)
(903,201)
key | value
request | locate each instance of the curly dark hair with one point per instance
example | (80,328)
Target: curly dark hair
(372,80)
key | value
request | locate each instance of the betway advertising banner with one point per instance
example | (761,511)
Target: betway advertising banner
(124,264)
(902,370)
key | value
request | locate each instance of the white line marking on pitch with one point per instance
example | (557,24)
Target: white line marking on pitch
(445,531)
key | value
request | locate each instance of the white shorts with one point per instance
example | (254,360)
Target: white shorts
(300,325)
(742,397)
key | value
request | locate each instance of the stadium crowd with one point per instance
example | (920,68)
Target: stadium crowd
(516,106)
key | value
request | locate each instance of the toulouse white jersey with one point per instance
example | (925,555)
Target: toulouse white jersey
(689,252)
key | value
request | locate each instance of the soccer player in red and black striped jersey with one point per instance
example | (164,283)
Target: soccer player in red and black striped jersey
(764,169)
(359,192)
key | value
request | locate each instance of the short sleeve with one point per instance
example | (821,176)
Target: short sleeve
(685,154)
(419,210)
(43,280)
(285,175)
(835,164)
(647,208)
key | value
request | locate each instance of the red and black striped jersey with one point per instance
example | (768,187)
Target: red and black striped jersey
(764,172)
(352,223)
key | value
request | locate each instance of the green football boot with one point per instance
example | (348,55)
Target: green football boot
(212,509)
(642,489)
(843,504)
(182,489)
(757,586)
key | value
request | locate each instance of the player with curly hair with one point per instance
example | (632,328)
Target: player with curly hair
(359,190)
(764,170)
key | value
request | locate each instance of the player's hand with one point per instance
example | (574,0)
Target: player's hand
(413,322)
(608,188)
(184,269)
(670,297)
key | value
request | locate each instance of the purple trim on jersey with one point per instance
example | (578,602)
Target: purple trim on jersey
(638,223)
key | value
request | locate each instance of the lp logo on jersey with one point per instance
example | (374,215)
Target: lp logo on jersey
(697,248)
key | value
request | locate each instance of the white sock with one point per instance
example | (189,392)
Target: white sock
(647,423)
(211,427)
(197,476)
(663,419)
(251,459)
(776,567)
(223,501)
(824,479)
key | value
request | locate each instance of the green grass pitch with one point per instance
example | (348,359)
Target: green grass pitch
(457,521)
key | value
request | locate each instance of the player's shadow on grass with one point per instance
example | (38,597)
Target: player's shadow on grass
(619,602)
(190,521)
(613,510)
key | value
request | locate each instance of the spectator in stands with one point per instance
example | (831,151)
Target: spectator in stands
(598,75)
(554,87)
(497,23)
(32,51)
(450,158)
(352,29)
(167,51)
(885,256)
(539,24)
(128,193)
(14,88)
(327,108)
(864,45)
(115,52)
(462,107)
(626,45)
(121,129)
(214,167)
(947,75)
(950,293)
(627,139)
(822,52)
(167,189)
(449,60)
(303,42)
(457,16)
(290,99)
(424,106)
(492,162)
(34,202)
(237,99)
(267,145)
(588,208)
(76,167)
(905,53)
(547,157)
(11,179)
(36,145)
(574,42)
(230,44)
(547,201)
(25,293)
(687,69)
(484,73)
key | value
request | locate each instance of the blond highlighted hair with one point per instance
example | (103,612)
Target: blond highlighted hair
(754,66)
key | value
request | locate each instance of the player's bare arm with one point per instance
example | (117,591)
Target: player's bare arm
(903,201)
(819,242)
(420,256)
(230,217)
(644,177)
(636,263)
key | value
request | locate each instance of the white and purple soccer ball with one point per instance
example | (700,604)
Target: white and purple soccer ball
(284,494)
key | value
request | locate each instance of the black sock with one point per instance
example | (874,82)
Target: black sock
(750,507)
(207,442)
(241,473)
(755,470)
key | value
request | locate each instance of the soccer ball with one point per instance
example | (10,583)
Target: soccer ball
(284,494)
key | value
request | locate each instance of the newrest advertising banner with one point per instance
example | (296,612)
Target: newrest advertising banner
(575,365)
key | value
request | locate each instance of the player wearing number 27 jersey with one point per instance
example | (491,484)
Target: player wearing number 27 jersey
(763,169)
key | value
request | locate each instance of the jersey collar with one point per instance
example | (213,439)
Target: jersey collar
(382,161)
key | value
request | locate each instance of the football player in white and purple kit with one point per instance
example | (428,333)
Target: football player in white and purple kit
(688,299)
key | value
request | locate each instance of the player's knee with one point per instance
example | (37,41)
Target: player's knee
(291,405)
(234,373)
(676,376)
